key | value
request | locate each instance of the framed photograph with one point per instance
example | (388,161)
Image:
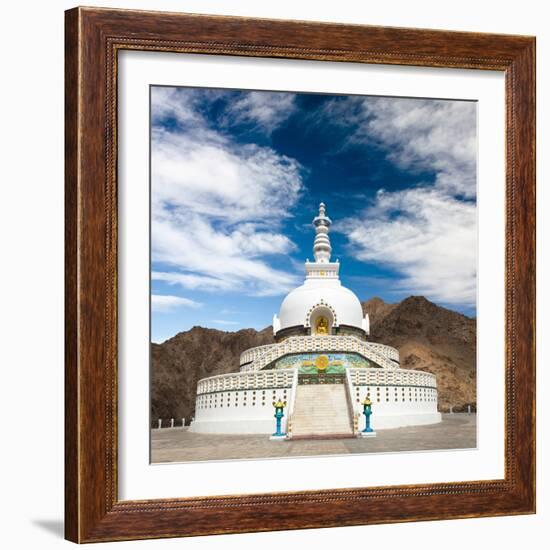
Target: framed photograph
(300,275)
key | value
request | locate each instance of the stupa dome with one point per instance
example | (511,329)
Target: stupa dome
(302,305)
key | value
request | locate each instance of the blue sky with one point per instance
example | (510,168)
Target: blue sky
(237,176)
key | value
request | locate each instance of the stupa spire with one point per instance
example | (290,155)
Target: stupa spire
(321,245)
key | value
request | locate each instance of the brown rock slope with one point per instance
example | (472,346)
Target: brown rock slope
(431,338)
(428,337)
(179,362)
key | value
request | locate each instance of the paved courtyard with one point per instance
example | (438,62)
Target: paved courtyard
(456,431)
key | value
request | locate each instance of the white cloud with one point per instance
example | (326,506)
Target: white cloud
(418,134)
(217,209)
(429,237)
(261,110)
(428,233)
(192,281)
(224,322)
(222,180)
(166,303)
(175,103)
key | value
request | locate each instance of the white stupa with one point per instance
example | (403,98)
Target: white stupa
(322,365)
(321,292)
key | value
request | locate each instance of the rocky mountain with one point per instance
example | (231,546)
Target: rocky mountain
(179,362)
(429,337)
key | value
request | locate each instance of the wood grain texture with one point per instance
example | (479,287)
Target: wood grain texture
(71,274)
(93,38)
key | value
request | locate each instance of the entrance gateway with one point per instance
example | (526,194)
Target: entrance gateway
(321,378)
(322,364)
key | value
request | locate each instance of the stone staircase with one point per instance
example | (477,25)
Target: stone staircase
(321,411)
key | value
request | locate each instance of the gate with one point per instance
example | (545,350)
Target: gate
(321,378)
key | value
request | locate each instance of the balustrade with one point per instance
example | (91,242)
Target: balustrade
(257,358)
(246,381)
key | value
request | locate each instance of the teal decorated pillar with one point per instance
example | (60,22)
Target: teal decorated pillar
(367,411)
(279,414)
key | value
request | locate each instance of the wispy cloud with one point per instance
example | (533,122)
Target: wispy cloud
(264,111)
(217,205)
(428,234)
(219,202)
(221,180)
(228,311)
(417,134)
(225,322)
(175,103)
(165,303)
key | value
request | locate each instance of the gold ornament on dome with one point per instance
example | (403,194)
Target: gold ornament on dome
(321,327)
(321,363)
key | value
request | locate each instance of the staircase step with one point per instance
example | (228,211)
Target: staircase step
(321,411)
(324,436)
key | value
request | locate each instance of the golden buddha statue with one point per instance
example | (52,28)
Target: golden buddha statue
(321,327)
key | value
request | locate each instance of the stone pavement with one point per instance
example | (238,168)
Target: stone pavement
(456,431)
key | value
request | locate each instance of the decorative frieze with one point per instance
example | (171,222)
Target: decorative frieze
(258,358)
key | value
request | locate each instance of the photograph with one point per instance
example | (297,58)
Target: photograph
(271,275)
(313,281)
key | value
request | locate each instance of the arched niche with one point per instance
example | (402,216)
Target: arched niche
(322,320)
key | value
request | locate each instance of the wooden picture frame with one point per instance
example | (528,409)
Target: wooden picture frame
(93,39)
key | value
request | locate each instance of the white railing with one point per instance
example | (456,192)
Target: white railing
(399,377)
(253,353)
(386,351)
(264,355)
(283,378)
(349,396)
(293,393)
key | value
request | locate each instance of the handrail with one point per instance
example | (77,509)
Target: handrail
(351,407)
(385,350)
(293,393)
(281,378)
(285,378)
(254,352)
(377,377)
(291,404)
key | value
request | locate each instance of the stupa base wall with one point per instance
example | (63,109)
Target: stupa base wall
(241,403)
(235,427)
(267,426)
(386,422)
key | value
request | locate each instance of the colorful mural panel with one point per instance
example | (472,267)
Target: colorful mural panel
(311,363)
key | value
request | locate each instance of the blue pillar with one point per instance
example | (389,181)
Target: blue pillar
(279,414)
(367,411)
